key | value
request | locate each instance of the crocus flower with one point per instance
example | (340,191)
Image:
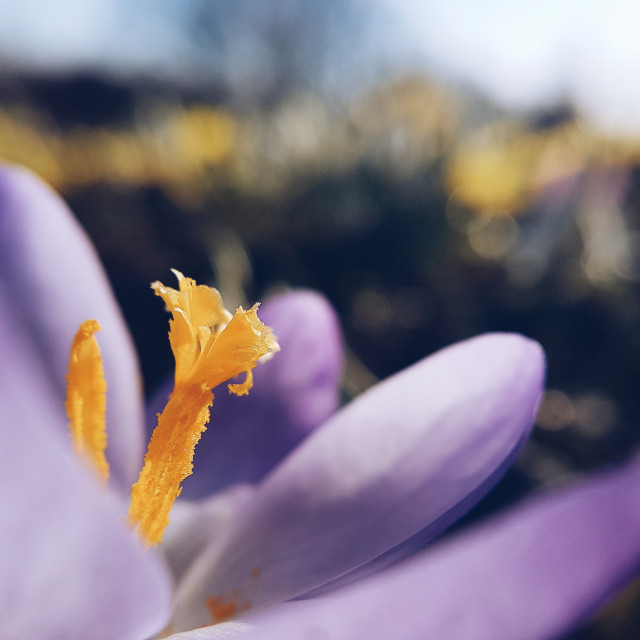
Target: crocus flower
(301,508)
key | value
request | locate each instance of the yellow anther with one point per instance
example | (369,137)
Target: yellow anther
(210,346)
(86,398)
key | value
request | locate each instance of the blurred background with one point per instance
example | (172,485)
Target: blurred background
(436,169)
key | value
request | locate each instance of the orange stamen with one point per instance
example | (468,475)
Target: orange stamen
(210,346)
(86,398)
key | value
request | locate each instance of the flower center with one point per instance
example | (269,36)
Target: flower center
(210,346)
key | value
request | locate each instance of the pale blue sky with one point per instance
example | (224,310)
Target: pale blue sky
(522,54)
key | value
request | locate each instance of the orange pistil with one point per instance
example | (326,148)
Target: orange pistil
(210,346)
(86,398)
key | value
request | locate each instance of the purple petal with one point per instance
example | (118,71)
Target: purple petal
(533,574)
(293,393)
(395,461)
(70,568)
(195,524)
(51,282)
